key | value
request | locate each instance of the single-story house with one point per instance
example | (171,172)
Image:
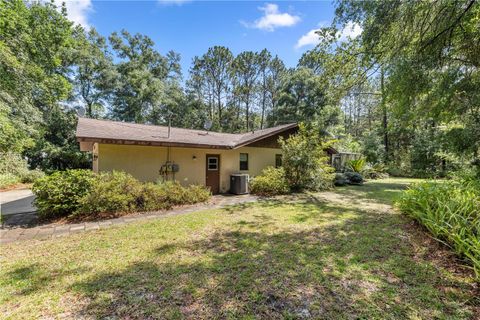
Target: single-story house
(151,152)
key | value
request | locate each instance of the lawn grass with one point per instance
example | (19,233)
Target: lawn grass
(333,255)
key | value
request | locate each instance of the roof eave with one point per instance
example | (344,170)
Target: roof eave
(246,143)
(152,143)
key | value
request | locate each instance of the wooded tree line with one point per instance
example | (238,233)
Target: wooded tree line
(405,92)
(410,84)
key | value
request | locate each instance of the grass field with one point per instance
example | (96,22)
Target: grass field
(343,254)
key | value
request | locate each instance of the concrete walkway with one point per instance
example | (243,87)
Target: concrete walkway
(17,208)
(54,230)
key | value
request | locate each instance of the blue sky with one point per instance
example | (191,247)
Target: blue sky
(285,28)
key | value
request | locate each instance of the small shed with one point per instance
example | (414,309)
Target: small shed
(340,159)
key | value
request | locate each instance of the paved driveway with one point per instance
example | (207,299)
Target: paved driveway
(16,207)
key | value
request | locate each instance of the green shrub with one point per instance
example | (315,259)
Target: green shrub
(356,165)
(81,193)
(450,211)
(397,172)
(14,169)
(8,179)
(13,164)
(59,194)
(340,180)
(111,192)
(376,171)
(176,194)
(31,176)
(197,193)
(354,177)
(153,197)
(270,182)
(305,161)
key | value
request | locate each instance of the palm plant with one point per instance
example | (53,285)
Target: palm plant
(356,165)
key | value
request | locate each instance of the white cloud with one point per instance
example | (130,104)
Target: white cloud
(273,19)
(310,38)
(77,10)
(351,31)
(173,2)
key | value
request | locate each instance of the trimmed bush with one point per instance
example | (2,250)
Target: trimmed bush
(450,211)
(340,180)
(111,192)
(81,193)
(59,194)
(354,177)
(165,195)
(271,182)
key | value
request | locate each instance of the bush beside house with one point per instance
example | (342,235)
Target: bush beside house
(83,194)
(271,182)
(304,166)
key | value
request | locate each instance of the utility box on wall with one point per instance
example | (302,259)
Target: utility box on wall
(239,183)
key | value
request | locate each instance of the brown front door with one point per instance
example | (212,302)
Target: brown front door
(212,177)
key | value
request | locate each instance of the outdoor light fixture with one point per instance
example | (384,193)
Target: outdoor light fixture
(194,157)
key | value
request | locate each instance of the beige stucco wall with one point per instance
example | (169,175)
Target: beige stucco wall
(144,162)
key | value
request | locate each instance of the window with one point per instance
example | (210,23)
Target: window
(278,160)
(212,163)
(243,161)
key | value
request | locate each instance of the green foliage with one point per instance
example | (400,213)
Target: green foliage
(81,193)
(14,169)
(178,195)
(449,210)
(111,192)
(356,165)
(340,179)
(143,75)
(8,179)
(272,181)
(60,193)
(376,171)
(305,160)
(118,193)
(58,148)
(354,177)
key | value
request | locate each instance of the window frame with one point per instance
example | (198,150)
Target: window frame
(245,162)
(215,163)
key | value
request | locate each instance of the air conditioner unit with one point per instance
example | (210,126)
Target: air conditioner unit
(239,183)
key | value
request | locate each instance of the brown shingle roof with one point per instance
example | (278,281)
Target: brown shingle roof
(105,131)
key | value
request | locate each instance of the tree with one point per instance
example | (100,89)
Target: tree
(246,71)
(211,74)
(33,41)
(428,54)
(277,72)
(302,96)
(264,60)
(93,73)
(305,161)
(143,73)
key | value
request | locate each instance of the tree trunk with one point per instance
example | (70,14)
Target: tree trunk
(385,117)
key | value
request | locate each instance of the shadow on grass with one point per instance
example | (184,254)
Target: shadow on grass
(32,278)
(361,266)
